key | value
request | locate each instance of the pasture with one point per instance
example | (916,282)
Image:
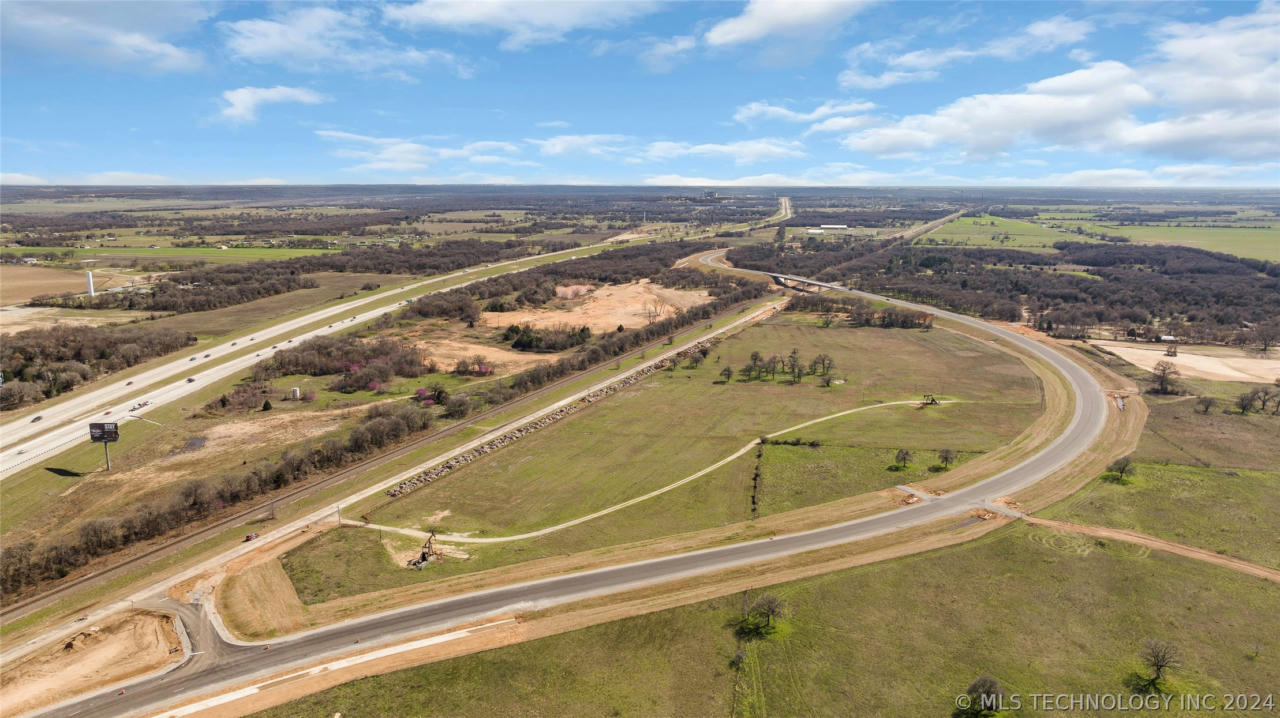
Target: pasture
(866,640)
(627,445)
(995,232)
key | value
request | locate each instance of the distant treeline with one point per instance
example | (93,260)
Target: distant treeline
(858,312)
(39,364)
(866,217)
(214,287)
(1144,291)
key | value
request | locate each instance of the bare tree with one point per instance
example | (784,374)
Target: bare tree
(1159,657)
(1245,402)
(726,373)
(1205,403)
(1165,373)
(946,457)
(653,310)
(1122,466)
(1267,335)
(902,458)
(769,606)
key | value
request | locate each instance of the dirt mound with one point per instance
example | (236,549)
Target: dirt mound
(573,291)
(128,645)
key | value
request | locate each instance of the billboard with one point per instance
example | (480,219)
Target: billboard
(104,432)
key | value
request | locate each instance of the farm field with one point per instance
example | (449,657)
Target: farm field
(1242,242)
(619,449)
(122,256)
(20,282)
(865,640)
(994,232)
(1249,232)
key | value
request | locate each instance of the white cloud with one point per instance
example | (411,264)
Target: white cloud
(553,123)
(764,180)
(315,39)
(1208,90)
(582,144)
(664,55)
(761,18)
(126,178)
(742,152)
(1234,62)
(844,174)
(840,124)
(853,79)
(124,33)
(20,178)
(395,154)
(243,103)
(256,181)
(764,110)
(922,65)
(466,178)
(525,23)
(1080,107)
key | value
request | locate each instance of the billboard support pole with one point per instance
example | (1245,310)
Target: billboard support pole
(106,449)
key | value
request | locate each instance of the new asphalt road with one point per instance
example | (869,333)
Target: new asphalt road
(223,664)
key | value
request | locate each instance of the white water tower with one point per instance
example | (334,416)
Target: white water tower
(88,277)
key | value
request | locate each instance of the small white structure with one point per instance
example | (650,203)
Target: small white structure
(834,226)
(1168,338)
(295,393)
(88,278)
(817,231)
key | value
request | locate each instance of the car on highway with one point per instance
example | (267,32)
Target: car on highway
(206,356)
(190,379)
(192,359)
(108,411)
(233,343)
(252,536)
(34,419)
(129,383)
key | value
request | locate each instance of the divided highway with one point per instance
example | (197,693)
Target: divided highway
(28,439)
(226,663)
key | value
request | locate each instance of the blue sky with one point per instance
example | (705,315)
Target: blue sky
(767,92)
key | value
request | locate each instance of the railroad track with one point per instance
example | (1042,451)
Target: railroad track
(39,600)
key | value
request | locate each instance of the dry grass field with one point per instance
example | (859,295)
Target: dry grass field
(20,282)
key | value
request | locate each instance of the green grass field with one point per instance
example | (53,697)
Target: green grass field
(637,440)
(1231,511)
(1242,242)
(525,487)
(793,477)
(989,231)
(899,638)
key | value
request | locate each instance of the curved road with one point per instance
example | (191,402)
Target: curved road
(224,663)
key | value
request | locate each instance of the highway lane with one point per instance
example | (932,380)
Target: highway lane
(60,425)
(242,662)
